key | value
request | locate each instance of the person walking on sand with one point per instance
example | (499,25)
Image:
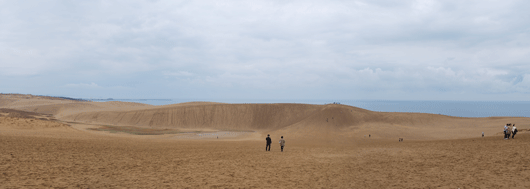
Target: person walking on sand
(514,131)
(482,134)
(508,133)
(282,143)
(269,141)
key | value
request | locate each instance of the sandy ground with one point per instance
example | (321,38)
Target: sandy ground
(325,148)
(77,159)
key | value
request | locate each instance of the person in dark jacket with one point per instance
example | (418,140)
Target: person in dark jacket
(508,133)
(269,141)
(514,131)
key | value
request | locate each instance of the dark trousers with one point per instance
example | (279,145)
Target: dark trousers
(268,146)
(282,148)
(513,135)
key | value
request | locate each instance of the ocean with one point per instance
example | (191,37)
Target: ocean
(451,108)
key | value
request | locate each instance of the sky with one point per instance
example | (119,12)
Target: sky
(210,50)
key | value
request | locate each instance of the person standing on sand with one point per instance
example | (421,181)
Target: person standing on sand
(282,143)
(505,128)
(508,133)
(514,131)
(269,141)
(482,134)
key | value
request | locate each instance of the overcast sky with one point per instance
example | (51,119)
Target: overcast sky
(373,49)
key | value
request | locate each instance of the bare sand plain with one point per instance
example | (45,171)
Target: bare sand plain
(50,142)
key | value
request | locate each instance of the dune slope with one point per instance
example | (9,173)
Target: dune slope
(218,116)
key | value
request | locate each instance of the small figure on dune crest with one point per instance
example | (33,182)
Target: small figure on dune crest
(400,139)
(282,143)
(269,141)
(482,134)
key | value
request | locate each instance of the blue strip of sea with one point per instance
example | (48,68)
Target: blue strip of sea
(451,108)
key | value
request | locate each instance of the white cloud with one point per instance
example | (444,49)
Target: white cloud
(178,74)
(83,85)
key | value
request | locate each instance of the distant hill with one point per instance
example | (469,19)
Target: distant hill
(29,96)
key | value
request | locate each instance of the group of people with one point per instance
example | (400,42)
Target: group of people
(269,141)
(509,130)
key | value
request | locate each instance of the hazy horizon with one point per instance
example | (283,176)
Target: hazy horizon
(101,98)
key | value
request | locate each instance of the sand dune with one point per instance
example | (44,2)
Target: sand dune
(218,116)
(295,120)
(62,107)
(28,124)
(303,121)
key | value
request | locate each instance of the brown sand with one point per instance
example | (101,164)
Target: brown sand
(438,151)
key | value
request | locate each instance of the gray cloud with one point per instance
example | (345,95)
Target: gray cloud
(282,49)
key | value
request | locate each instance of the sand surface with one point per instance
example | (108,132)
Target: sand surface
(49,142)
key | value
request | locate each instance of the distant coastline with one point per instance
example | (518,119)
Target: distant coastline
(45,96)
